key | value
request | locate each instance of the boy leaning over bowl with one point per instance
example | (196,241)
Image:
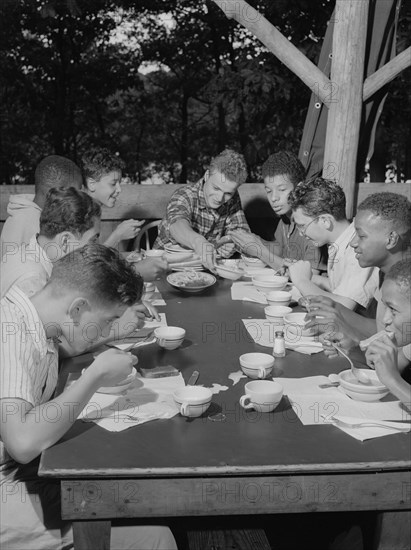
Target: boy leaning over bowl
(382,353)
(88,290)
(281,173)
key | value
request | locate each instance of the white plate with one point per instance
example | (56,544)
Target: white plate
(191,281)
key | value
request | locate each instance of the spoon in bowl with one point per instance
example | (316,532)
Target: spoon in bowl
(359,374)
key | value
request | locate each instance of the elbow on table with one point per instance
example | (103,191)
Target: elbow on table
(23,450)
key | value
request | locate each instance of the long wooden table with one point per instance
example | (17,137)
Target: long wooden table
(250,463)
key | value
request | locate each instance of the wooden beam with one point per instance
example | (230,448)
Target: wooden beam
(344,115)
(280,46)
(386,73)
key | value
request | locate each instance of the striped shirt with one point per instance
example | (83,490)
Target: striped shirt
(28,267)
(28,360)
(190,204)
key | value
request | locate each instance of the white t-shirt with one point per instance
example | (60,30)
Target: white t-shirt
(346,276)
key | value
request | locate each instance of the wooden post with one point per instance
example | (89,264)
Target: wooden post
(387,73)
(344,114)
(279,45)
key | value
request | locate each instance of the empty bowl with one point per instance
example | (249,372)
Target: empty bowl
(169,337)
(268,283)
(362,392)
(279,298)
(256,365)
(275,314)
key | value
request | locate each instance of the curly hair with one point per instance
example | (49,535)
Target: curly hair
(99,162)
(56,171)
(67,209)
(231,164)
(99,273)
(400,273)
(319,196)
(284,163)
(390,207)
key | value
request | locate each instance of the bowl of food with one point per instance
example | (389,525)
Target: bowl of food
(191,281)
(252,262)
(268,283)
(351,386)
(279,298)
(229,269)
(275,314)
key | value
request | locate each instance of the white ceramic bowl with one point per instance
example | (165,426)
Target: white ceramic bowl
(177,257)
(191,281)
(252,262)
(294,325)
(268,283)
(193,401)
(350,382)
(275,314)
(169,337)
(256,365)
(279,298)
(229,272)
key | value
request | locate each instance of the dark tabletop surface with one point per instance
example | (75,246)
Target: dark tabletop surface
(245,442)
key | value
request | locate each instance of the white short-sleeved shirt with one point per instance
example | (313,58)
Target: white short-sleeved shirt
(28,360)
(28,267)
(346,276)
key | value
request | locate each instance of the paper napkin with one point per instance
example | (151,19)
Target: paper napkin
(248,292)
(147,399)
(263,332)
(316,406)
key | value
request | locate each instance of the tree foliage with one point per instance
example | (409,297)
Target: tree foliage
(166,83)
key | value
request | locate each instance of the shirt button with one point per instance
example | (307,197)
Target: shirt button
(317,105)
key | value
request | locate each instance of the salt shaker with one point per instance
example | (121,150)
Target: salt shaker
(279,344)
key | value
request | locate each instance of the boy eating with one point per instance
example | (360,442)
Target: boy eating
(382,353)
(88,290)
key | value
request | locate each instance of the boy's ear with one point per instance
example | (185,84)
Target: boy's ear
(77,307)
(64,241)
(90,184)
(392,240)
(327,221)
(206,174)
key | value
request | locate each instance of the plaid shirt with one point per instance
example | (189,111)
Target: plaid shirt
(190,204)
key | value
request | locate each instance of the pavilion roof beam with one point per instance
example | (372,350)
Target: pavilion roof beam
(279,45)
(387,73)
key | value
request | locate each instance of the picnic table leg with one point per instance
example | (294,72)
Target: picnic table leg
(91,535)
(393,531)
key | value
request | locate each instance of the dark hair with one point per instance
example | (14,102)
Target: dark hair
(99,162)
(67,209)
(400,273)
(231,164)
(319,196)
(56,171)
(390,207)
(99,273)
(284,163)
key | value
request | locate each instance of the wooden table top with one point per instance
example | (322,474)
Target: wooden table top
(245,442)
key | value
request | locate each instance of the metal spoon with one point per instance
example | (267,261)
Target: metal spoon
(359,374)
